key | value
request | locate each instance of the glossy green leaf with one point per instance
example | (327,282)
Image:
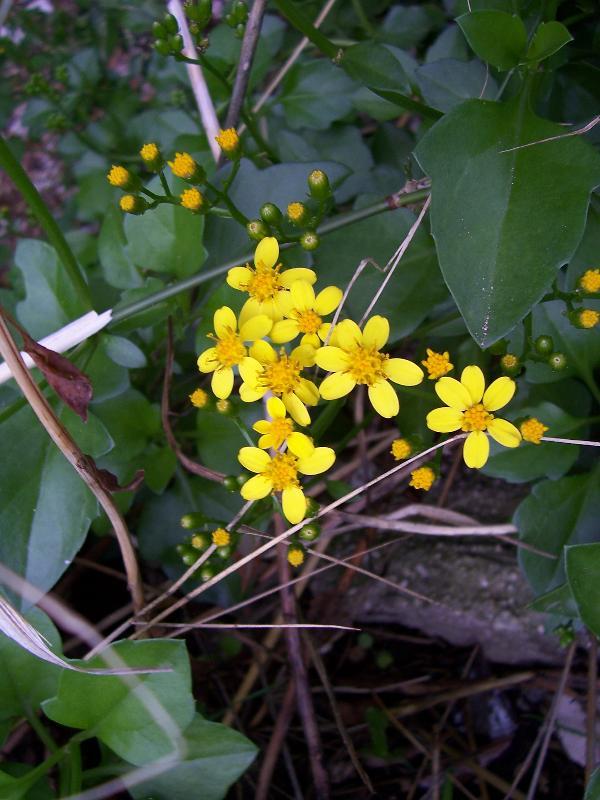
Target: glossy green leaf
(124,352)
(504,222)
(375,65)
(583,574)
(407,25)
(117,267)
(27,680)
(592,790)
(495,36)
(548,39)
(216,757)
(139,717)
(315,94)
(557,514)
(447,83)
(558,602)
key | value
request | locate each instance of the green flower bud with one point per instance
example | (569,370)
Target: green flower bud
(189,558)
(270,214)
(318,185)
(311,532)
(230,482)
(544,345)
(162,46)
(170,23)
(242,478)
(297,213)
(206,572)
(309,240)
(225,552)
(199,541)
(558,361)
(159,31)
(510,364)
(240,30)
(257,230)
(176,43)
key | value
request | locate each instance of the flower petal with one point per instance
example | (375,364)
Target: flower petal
(300,445)
(263,352)
(284,331)
(262,426)
(384,399)
(303,295)
(453,393)
(255,328)
(222,382)
(336,385)
(266,441)
(296,409)
(473,380)
(308,392)
(348,335)
(333,359)
(251,308)
(207,361)
(224,322)
(376,332)
(249,394)
(294,504)
(289,276)
(305,354)
(254,459)
(403,371)
(504,433)
(499,393)
(312,340)
(328,300)
(250,369)
(267,252)
(319,461)
(275,408)
(476,449)
(256,488)
(239,277)
(444,420)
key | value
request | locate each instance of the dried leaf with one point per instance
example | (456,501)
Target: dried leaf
(108,481)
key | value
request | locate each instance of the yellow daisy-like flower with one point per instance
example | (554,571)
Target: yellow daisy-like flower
(422,478)
(266,370)
(229,349)
(228,140)
(119,177)
(401,449)
(357,360)
(191,199)
(588,318)
(278,429)
(279,473)
(470,409)
(590,281)
(199,398)
(437,364)
(150,152)
(532,430)
(266,284)
(295,556)
(304,314)
(296,211)
(128,203)
(184,166)
(221,537)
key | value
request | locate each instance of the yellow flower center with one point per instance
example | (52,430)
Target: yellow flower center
(199,398)
(192,199)
(295,556)
(476,418)
(422,478)
(282,472)
(221,537)
(228,140)
(532,430)
(149,152)
(509,361)
(230,350)
(183,165)
(118,176)
(295,211)
(281,428)
(401,449)
(264,283)
(590,280)
(588,318)
(127,203)
(366,365)
(437,364)
(283,375)
(308,321)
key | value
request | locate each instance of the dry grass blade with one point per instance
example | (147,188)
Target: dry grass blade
(578,132)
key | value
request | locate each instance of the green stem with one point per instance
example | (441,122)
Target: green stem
(42,732)
(40,210)
(165,184)
(362,18)
(259,138)
(233,209)
(74,768)
(298,20)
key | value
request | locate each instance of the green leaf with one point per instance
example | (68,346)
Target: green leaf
(557,514)
(447,83)
(416,285)
(315,94)
(51,300)
(123,352)
(26,679)
(495,36)
(45,507)
(583,574)
(502,228)
(117,267)
(558,602)
(159,466)
(216,757)
(139,717)
(548,39)
(150,316)
(592,790)
(406,26)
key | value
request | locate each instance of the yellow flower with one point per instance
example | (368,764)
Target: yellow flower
(198,541)
(199,398)
(192,199)
(128,203)
(590,281)
(401,449)
(229,349)
(266,284)
(470,406)
(422,478)
(221,537)
(304,314)
(588,318)
(279,473)
(532,430)
(150,152)
(509,361)
(437,364)
(357,360)
(184,166)
(120,177)
(265,370)
(228,140)
(295,556)
(296,211)
(276,430)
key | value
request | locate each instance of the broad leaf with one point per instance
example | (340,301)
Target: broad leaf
(504,222)
(592,790)
(315,94)
(548,39)
(447,83)
(139,717)
(117,267)
(495,36)
(583,574)
(216,757)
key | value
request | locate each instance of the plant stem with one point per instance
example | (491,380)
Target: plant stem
(248,50)
(40,210)
(298,20)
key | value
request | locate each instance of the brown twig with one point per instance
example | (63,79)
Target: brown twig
(78,460)
(242,76)
(276,743)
